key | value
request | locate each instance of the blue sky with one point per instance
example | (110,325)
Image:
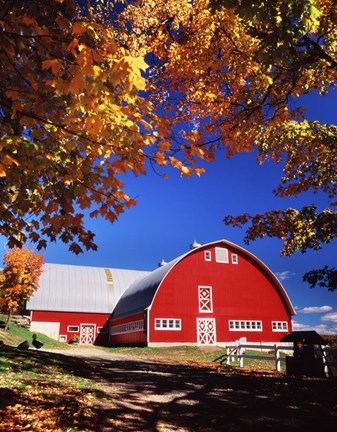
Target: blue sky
(172,213)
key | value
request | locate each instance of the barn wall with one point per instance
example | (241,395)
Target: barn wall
(43,320)
(240,292)
(130,330)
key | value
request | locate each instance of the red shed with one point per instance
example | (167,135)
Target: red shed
(215,293)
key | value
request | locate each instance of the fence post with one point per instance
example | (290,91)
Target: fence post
(240,355)
(325,362)
(277,359)
(228,356)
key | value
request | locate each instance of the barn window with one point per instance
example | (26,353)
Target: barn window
(280,326)
(62,338)
(205,299)
(234,259)
(129,327)
(102,330)
(240,325)
(167,324)
(73,329)
(208,256)
(221,255)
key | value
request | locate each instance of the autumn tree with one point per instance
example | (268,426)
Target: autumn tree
(72,120)
(229,75)
(19,279)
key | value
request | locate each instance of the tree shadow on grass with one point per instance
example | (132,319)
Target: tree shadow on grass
(140,395)
(38,392)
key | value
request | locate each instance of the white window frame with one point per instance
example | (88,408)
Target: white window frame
(279,326)
(235,259)
(62,338)
(73,331)
(208,255)
(245,325)
(202,309)
(221,255)
(171,324)
(130,327)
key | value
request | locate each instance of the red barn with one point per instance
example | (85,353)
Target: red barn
(77,301)
(215,293)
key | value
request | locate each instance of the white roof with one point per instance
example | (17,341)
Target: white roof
(71,288)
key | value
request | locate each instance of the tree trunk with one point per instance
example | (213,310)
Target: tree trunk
(7,320)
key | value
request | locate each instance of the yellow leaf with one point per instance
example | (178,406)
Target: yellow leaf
(2,170)
(185,171)
(97,71)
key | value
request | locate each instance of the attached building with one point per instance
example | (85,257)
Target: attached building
(78,300)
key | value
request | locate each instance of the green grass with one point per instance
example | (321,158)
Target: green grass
(183,354)
(15,335)
(42,391)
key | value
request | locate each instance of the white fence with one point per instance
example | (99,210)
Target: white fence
(237,352)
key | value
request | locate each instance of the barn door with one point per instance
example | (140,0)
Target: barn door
(87,333)
(206,331)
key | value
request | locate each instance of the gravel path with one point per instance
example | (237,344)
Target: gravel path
(145,395)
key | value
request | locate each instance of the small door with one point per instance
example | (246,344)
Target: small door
(88,333)
(206,331)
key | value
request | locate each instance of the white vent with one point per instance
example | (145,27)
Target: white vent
(221,255)
(194,245)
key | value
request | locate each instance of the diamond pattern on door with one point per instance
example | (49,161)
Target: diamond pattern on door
(205,299)
(87,333)
(206,331)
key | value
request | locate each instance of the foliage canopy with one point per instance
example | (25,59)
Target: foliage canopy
(88,95)
(238,68)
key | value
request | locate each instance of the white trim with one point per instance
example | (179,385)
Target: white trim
(221,255)
(245,325)
(81,332)
(206,338)
(235,259)
(279,326)
(203,310)
(129,327)
(164,324)
(208,255)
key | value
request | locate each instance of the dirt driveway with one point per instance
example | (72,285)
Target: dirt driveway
(155,396)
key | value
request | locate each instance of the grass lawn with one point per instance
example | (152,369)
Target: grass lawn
(38,390)
(39,393)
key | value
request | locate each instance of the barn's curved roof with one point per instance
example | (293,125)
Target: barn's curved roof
(72,288)
(140,294)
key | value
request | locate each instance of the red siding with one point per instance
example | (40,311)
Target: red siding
(240,292)
(132,336)
(75,319)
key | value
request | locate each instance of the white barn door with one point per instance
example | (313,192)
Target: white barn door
(87,335)
(206,331)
